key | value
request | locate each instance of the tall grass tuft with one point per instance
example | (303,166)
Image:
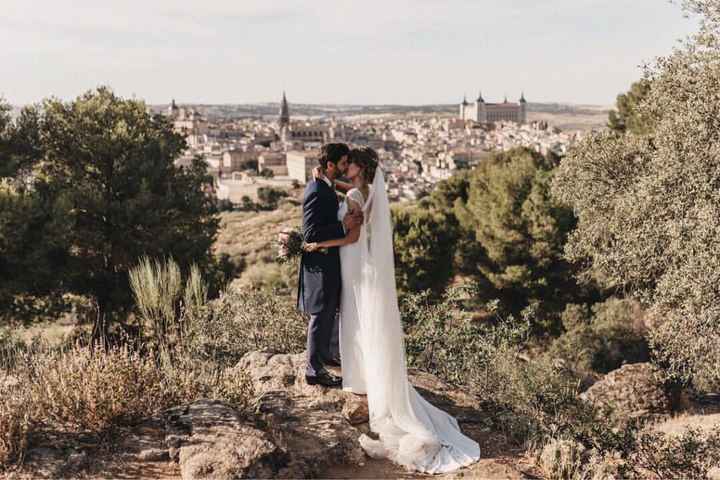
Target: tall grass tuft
(15,424)
(158,290)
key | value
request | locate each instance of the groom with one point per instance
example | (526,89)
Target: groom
(319,285)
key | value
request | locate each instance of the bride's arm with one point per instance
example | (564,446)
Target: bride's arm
(351,236)
(342,186)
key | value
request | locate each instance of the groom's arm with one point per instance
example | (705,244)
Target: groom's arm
(312,216)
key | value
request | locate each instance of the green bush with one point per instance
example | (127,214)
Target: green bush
(603,338)
(647,205)
(527,400)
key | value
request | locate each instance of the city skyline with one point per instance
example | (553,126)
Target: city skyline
(404,52)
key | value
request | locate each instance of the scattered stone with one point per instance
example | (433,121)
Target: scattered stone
(155,455)
(356,411)
(632,391)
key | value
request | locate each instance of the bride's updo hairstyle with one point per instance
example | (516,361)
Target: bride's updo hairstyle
(367,159)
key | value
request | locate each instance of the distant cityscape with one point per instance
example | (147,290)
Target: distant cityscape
(418,148)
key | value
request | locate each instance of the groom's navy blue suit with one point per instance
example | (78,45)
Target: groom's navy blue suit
(320,281)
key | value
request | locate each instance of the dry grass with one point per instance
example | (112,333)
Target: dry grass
(90,391)
(248,237)
(85,391)
(14,425)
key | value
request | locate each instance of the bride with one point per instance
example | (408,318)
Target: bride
(411,431)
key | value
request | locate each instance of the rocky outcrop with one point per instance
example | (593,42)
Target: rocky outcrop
(294,430)
(632,391)
(210,440)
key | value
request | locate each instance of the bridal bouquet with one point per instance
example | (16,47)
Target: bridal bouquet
(290,244)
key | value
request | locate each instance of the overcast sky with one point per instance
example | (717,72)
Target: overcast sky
(332,51)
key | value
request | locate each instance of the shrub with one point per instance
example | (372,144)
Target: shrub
(603,338)
(91,391)
(529,400)
(225,205)
(647,206)
(188,379)
(15,423)
(563,460)
(269,197)
(689,455)
(244,320)
(84,390)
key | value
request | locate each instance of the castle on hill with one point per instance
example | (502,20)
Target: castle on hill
(482,112)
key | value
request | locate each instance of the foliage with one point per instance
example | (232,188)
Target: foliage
(82,390)
(225,205)
(520,229)
(529,401)
(244,320)
(444,197)
(690,454)
(163,299)
(602,338)
(648,207)
(423,242)
(269,197)
(108,175)
(629,117)
(33,239)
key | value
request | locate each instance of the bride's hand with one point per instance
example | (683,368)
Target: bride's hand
(311,247)
(317,172)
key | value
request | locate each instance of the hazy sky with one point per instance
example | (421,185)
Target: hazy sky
(332,51)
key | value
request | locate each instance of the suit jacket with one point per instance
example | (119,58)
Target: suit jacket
(319,272)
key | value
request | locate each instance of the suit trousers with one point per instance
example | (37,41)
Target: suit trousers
(319,336)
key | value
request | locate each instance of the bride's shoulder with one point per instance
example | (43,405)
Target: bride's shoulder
(356,195)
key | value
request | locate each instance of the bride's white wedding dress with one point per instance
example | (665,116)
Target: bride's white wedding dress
(411,431)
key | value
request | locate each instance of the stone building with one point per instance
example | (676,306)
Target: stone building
(275,162)
(190,123)
(296,134)
(300,164)
(237,160)
(482,112)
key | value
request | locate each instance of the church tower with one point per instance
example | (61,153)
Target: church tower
(523,108)
(463,108)
(480,110)
(284,113)
(284,120)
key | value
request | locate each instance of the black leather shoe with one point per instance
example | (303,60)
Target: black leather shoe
(324,378)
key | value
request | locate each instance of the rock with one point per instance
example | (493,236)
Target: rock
(714,474)
(320,427)
(632,391)
(45,462)
(214,442)
(562,459)
(154,455)
(307,421)
(356,411)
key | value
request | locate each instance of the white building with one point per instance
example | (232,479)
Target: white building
(482,112)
